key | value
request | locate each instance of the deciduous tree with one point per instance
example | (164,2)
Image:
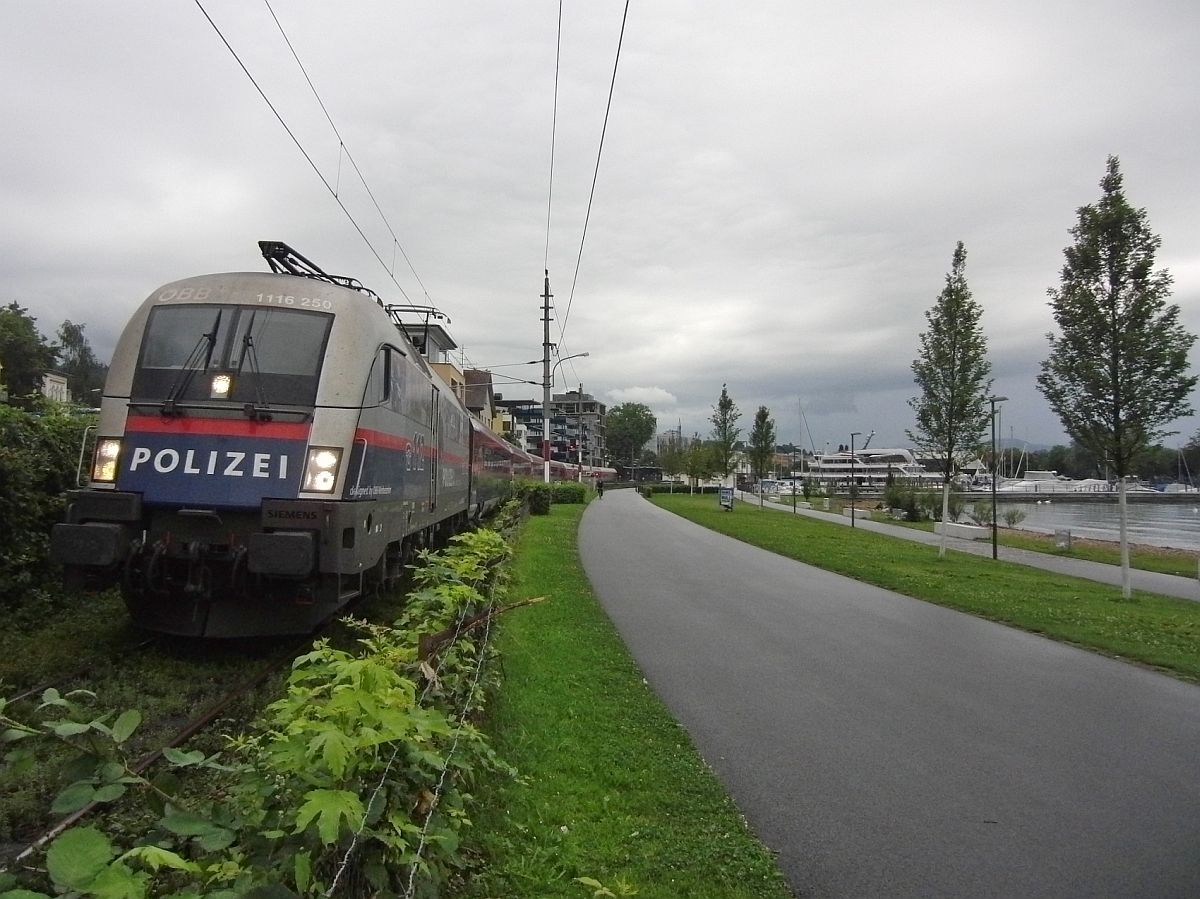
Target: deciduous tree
(628,427)
(1118,372)
(952,372)
(725,433)
(762,443)
(24,352)
(699,461)
(671,458)
(85,373)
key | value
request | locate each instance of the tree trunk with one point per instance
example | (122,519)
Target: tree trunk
(945,516)
(1125,588)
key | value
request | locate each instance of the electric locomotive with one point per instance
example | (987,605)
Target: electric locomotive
(270,446)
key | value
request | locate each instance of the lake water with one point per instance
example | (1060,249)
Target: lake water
(1169,524)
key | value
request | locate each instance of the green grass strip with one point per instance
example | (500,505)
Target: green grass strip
(610,787)
(1161,559)
(1165,561)
(1155,630)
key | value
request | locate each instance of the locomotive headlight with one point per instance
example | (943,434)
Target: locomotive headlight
(104,460)
(221,385)
(321,469)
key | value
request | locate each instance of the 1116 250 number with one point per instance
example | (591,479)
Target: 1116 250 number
(276,299)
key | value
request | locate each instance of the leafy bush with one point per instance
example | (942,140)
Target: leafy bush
(39,452)
(981,513)
(537,495)
(1013,516)
(956,505)
(903,495)
(568,492)
(930,504)
(359,772)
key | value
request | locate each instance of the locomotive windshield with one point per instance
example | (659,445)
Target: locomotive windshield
(239,354)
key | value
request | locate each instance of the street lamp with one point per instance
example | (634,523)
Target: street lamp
(546,385)
(792,472)
(853,434)
(995,469)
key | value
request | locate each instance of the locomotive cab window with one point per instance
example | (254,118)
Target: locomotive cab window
(386,382)
(239,354)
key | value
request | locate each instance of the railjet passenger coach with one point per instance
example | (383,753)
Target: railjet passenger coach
(270,446)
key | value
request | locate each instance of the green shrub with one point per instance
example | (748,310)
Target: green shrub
(568,492)
(899,494)
(957,504)
(365,767)
(39,453)
(896,495)
(537,495)
(981,513)
(1013,516)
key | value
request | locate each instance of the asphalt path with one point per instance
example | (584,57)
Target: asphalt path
(888,747)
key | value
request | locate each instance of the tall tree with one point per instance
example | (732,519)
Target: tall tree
(762,443)
(628,427)
(698,461)
(1118,373)
(85,373)
(952,372)
(24,352)
(724,433)
(671,458)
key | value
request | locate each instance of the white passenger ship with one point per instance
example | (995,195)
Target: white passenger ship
(870,468)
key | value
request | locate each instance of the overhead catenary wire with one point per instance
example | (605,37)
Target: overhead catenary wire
(562,328)
(553,133)
(343,148)
(332,190)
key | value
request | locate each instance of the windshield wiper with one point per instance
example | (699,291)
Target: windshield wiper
(258,410)
(206,344)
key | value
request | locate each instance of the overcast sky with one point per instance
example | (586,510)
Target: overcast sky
(780,194)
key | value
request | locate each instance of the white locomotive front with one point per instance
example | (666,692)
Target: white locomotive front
(270,445)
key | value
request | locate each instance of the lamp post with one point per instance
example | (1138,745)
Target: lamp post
(853,434)
(995,468)
(792,472)
(547,383)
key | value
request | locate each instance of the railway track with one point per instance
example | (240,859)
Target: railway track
(182,687)
(179,687)
(193,727)
(78,672)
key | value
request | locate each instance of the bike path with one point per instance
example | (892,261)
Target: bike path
(1150,581)
(885,746)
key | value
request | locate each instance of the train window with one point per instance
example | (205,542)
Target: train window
(284,341)
(398,375)
(377,380)
(270,356)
